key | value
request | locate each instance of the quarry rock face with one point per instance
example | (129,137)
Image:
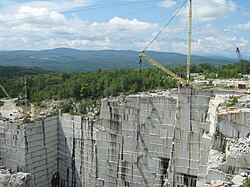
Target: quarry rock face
(31,148)
(177,138)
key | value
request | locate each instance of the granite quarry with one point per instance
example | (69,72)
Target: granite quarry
(189,137)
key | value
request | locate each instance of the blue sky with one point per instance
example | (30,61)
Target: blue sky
(218,25)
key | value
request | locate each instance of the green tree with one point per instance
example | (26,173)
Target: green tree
(82,108)
(246,183)
(84,90)
(65,107)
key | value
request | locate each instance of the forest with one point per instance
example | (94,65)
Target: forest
(103,83)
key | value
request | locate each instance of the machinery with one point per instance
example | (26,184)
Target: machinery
(238,53)
(13,103)
(170,73)
(241,61)
(163,68)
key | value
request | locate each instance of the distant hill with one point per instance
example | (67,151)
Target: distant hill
(9,71)
(68,60)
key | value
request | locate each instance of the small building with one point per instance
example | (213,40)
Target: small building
(201,81)
(242,86)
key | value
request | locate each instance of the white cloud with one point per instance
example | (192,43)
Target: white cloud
(218,45)
(30,15)
(204,10)
(207,38)
(167,3)
(76,43)
(50,29)
(24,28)
(56,5)
(125,25)
(211,41)
(245,26)
(119,32)
(156,46)
(39,15)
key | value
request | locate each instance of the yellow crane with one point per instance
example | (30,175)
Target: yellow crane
(163,68)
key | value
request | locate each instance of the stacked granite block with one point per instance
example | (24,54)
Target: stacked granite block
(41,150)
(12,145)
(145,126)
(77,151)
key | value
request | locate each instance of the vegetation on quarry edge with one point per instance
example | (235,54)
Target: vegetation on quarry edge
(90,86)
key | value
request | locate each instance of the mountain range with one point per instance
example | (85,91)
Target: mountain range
(72,60)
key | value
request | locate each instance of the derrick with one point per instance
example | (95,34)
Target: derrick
(159,65)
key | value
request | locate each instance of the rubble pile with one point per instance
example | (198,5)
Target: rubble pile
(239,148)
(215,159)
(9,178)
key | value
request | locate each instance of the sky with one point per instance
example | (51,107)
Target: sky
(219,26)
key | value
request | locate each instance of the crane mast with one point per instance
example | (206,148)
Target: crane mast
(170,73)
(189,41)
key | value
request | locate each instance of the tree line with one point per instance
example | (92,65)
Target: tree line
(103,83)
(93,85)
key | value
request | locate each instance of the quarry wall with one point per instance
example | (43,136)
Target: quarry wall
(190,126)
(32,148)
(77,152)
(183,138)
(41,150)
(12,145)
(136,140)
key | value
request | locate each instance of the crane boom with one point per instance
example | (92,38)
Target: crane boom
(170,73)
(6,93)
(158,65)
(12,102)
(241,61)
(239,54)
